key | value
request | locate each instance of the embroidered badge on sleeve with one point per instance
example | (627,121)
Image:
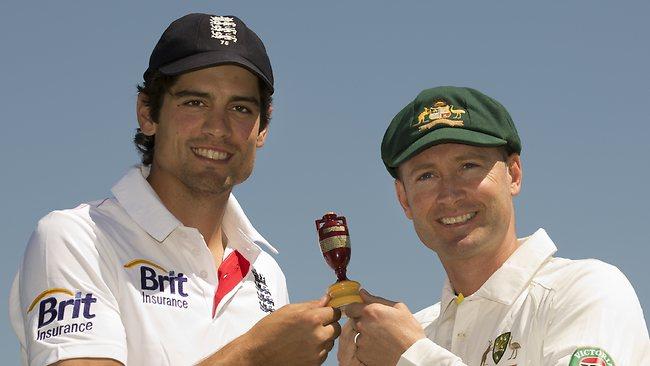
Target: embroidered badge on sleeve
(590,356)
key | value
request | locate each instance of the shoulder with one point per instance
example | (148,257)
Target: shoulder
(69,228)
(62,228)
(427,315)
(587,288)
(590,303)
(269,276)
(60,220)
(583,276)
(62,240)
(266,263)
(269,271)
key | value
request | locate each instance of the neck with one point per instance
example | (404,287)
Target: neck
(200,210)
(467,275)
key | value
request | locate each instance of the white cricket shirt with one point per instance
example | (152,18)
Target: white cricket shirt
(537,310)
(122,278)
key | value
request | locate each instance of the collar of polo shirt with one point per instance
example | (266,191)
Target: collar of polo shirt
(143,205)
(507,283)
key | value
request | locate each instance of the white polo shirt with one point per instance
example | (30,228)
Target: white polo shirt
(537,310)
(122,278)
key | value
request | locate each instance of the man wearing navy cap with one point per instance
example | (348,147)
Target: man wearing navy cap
(168,270)
(455,156)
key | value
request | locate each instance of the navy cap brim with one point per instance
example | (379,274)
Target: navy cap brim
(215,58)
(448,135)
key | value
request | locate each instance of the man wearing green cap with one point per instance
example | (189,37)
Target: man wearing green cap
(455,156)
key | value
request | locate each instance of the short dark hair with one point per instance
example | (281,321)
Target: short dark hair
(155,87)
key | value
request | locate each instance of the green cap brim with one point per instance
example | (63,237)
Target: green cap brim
(446,135)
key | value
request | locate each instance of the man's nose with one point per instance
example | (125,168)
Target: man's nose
(451,190)
(216,124)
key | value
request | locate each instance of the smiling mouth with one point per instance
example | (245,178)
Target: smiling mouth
(211,154)
(457,219)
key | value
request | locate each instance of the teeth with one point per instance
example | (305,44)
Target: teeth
(457,219)
(211,154)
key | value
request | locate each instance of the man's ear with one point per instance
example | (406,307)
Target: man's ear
(261,137)
(147,124)
(515,173)
(401,197)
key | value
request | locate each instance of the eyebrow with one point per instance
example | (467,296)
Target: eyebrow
(191,93)
(418,167)
(199,94)
(463,156)
(243,98)
(471,155)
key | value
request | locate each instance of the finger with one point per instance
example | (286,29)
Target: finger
(322,356)
(337,329)
(357,362)
(368,298)
(328,315)
(324,300)
(345,354)
(337,314)
(301,306)
(402,306)
(358,328)
(357,340)
(354,310)
(348,326)
(347,333)
(331,331)
(353,325)
(329,345)
(320,303)
(361,356)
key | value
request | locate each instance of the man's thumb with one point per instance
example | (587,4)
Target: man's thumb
(322,302)
(368,298)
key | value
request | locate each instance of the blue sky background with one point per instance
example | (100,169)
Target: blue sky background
(572,74)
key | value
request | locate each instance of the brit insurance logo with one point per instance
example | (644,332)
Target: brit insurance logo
(62,305)
(165,289)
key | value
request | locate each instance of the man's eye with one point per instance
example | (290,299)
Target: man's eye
(241,108)
(194,103)
(424,176)
(469,166)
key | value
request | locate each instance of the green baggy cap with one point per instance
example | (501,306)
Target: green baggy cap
(447,114)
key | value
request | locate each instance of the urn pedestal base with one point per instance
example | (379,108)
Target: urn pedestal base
(343,293)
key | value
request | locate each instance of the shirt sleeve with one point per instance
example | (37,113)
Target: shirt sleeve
(283,292)
(61,305)
(596,314)
(425,352)
(275,280)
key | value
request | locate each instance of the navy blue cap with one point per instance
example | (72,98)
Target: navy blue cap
(196,41)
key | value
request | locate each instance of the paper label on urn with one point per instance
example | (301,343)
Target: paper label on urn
(333,229)
(334,242)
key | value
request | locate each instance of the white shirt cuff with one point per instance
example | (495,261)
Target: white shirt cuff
(426,352)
